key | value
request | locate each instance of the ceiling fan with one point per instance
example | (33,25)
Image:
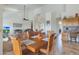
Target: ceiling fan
(26,19)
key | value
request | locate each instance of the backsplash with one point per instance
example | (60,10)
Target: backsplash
(71,28)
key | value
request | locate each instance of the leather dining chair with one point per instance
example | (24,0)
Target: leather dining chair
(73,35)
(47,49)
(16,46)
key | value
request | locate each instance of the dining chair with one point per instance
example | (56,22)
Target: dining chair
(47,49)
(24,35)
(16,46)
(73,36)
(19,48)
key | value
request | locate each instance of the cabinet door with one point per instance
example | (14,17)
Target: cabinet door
(65,36)
(71,21)
(75,21)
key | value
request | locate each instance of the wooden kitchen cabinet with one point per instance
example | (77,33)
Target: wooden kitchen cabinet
(71,21)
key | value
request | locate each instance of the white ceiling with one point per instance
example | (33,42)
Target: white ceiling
(21,6)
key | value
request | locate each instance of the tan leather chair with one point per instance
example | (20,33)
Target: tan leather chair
(47,49)
(16,46)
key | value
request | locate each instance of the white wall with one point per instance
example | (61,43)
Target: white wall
(11,17)
(70,10)
(38,18)
(1,42)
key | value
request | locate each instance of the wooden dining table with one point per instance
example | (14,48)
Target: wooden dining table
(35,45)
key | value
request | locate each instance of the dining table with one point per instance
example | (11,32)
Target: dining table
(34,45)
(28,42)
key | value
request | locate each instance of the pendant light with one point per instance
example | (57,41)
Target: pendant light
(25,14)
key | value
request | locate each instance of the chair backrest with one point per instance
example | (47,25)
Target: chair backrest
(50,42)
(16,46)
(73,34)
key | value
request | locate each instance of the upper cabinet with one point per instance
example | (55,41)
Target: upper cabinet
(72,21)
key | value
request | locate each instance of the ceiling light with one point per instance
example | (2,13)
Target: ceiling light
(11,9)
(60,22)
